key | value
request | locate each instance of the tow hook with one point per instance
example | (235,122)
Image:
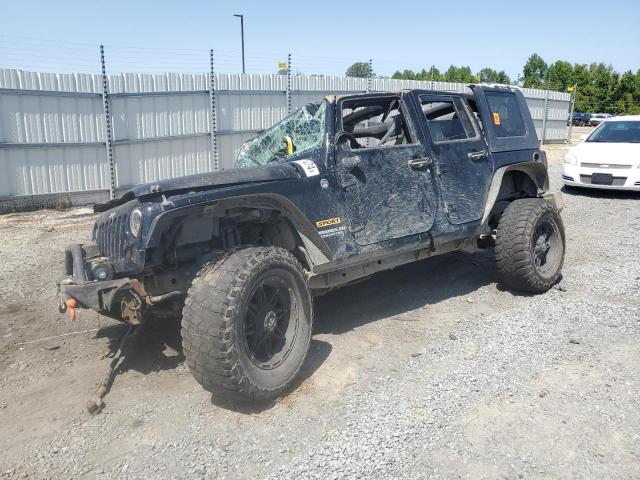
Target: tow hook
(67,304)
(71,305)
(62,307)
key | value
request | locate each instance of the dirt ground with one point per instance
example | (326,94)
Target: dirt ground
(428,371)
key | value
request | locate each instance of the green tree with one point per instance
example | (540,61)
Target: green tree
(625,95)
(489,75)
(534,72)
(404,75)
(604,81)
(598,87)
(503,78)
(560,75)
(425,75)
(585,91)
(359,69)
(435,74)
(459,74)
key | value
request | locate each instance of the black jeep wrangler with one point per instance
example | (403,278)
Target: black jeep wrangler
(335,192)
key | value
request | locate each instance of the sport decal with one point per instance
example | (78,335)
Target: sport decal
(328,222)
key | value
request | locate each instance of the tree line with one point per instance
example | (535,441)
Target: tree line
(598,87)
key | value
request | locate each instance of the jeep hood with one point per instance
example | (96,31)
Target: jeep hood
(203,181)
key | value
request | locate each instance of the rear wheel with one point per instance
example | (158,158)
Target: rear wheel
(530,245)
(246,324)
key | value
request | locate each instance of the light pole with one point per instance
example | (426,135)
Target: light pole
(241,17)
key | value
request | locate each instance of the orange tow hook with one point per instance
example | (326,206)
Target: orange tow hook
(71,307)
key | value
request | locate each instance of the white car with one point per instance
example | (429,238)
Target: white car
(608,158)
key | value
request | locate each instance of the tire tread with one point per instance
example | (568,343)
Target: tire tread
(514,260)
(208,321)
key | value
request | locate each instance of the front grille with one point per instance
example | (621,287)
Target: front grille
(617,181)
(109,234)
(605,166)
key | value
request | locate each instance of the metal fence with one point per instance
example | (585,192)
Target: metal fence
(55,137)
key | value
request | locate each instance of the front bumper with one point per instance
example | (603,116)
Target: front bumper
(100,296)
(623,179)
(103,296)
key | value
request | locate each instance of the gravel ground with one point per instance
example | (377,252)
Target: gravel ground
(428,371)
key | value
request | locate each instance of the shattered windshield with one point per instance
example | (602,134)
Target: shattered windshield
(301,131)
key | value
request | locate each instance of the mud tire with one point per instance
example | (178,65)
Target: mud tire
(220,311)
(519,245)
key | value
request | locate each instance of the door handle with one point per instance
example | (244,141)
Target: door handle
(419,163)
(478,154)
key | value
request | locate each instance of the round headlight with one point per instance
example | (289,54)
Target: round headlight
(135,221)
(570,159)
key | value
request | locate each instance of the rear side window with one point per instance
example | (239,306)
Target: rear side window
(447,119)
(505,114)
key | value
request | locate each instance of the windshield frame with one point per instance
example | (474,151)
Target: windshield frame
(286,158)
(593,136)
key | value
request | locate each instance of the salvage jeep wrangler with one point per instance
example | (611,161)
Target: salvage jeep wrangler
(333,193)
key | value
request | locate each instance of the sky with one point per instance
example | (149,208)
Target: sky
(322,36)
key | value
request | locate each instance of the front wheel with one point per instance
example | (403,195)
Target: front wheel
(530,245)
(247,323)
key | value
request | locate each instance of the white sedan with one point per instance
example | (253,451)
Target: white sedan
(608,158)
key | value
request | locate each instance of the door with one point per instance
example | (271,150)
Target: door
(384,172)
(462,158)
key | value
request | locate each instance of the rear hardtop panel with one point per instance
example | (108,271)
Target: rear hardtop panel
(506,118)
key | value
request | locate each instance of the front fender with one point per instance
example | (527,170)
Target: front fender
(314,244)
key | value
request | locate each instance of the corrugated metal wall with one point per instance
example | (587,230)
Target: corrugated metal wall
(52,126)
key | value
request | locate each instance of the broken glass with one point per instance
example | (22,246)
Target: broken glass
(304,128)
